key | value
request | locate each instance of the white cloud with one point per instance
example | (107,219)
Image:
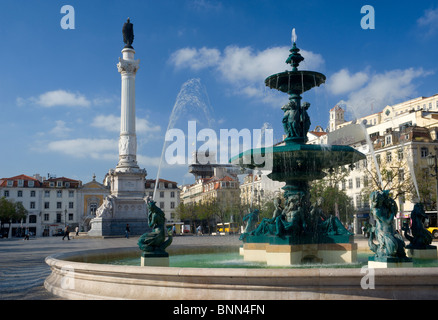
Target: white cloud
(195,59)
(145,126)
(237,63)
(384,89)
(245,68)
(429,21)
(86,148)
(98,149)
(60,128)
(100,101)
(107,122)
(64,98)
(111,123)
(61,98)
(343,82)
(147,162)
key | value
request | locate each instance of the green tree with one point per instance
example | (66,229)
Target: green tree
(393,174)
(9,211)
(336,202)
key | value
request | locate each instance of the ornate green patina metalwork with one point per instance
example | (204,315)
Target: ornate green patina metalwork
(154,242)
(420,238)
(297,163)
(390,244)
(251,219)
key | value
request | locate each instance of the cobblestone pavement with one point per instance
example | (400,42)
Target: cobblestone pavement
(23,269)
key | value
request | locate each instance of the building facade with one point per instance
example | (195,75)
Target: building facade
(257,188)
(51,203)
(221,185)
(167,197)
(92,195)
(397,142)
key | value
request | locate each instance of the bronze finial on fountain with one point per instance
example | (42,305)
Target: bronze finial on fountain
(128,34)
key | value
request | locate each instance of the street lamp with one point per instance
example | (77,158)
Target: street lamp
(432,163)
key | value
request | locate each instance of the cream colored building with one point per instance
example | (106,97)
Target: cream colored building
(257,188)
(399,138)
(167,197)
(225,190)
(92,195)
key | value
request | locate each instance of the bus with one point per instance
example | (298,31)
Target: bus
(227,228)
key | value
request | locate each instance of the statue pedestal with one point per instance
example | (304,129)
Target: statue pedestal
(383,263)
(285,255)
(155,259)
(128,206)
(422,254)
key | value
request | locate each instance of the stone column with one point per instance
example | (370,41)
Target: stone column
(127,67)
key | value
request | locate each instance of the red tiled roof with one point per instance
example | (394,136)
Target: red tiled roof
(4,181)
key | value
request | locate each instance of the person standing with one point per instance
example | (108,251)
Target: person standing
(77,231)
(66,233)
(127,231)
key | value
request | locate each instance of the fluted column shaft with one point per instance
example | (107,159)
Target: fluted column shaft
(128,67)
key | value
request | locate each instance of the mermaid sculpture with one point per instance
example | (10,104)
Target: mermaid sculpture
(421,238)
(155,241)
(390,243)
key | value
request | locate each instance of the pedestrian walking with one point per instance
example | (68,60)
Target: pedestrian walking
(66,233)
(77,231)
(127,231)
(26,234)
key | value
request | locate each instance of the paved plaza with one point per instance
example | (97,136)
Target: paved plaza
(23,270)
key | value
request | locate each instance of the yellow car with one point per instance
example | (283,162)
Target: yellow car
(434,231)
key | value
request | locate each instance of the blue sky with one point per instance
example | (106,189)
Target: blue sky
(60,89)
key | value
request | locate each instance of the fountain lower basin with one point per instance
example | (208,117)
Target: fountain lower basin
(74,276)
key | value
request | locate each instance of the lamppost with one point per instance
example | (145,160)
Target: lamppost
(432,163)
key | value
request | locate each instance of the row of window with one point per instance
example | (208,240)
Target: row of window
(59,215)
(424,152)
(32,205)
(161,185)
(59,193)
(389,177)
(426,107)
(172,194)
(58,205)
(31,183)
(172,205)
(358,183)
(46,218)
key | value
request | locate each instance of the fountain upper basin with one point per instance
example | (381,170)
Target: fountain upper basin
(298,161)
(295,81)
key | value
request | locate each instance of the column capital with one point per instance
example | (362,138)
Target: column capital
(128,66)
